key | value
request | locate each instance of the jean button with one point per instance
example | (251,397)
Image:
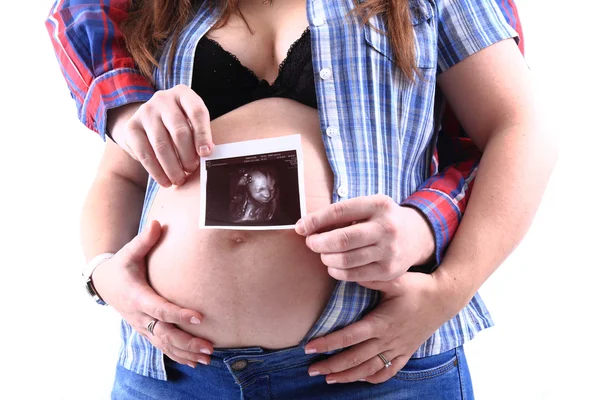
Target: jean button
(239,365)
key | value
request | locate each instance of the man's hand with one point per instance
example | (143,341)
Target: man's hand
(368,238)
(413,307)
(121,282)
(166,135)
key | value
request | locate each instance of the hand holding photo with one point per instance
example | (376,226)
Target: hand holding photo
(255,184)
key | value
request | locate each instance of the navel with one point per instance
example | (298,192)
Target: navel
(237,238)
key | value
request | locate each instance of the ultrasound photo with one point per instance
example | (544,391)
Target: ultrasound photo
(242,188)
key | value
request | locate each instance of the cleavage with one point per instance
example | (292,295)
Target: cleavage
(264,49)
(251,72)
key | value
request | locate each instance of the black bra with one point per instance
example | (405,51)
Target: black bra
(225,84)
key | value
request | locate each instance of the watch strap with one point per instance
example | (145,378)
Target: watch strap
(87,272)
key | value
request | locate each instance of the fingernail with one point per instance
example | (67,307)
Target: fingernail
(205,351)
(195,321)
(313,373)
(203,150)
(330,381)
(191,365)
(204,362)
(362,380)
(310,350)
(300,227)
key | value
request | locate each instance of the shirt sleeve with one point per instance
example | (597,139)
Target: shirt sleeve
(465,28)
(99,71)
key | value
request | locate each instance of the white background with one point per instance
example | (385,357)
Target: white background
(56,344)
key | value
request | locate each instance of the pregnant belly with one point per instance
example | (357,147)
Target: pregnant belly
(254,288)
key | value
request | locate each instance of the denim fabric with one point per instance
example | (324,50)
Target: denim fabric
(255,373)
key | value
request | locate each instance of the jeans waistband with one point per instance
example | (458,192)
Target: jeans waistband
(246,362)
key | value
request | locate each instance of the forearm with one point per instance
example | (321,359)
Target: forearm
(111,214)
(113,206)
(513,173)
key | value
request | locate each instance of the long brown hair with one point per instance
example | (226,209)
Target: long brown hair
(151,22)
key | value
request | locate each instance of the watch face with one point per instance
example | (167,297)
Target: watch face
(91,291)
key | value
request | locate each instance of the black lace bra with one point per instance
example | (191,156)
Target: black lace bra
(225,84)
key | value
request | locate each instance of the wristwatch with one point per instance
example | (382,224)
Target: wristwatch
(88,270)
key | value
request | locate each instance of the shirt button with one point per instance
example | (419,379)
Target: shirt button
(325,73)
(318,21)
(342,191)
(332,131)
(239,365)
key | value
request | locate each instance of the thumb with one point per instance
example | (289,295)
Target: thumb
(387,287)
(140,245)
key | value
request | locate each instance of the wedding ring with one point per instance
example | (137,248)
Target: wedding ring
(386,363)
(150,326)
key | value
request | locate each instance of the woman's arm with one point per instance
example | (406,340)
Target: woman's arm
(442,198)
(110,219)
(113,206)
(491,94)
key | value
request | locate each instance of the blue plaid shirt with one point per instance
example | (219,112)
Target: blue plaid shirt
(380,129)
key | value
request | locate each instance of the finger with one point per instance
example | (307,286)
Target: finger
(353,258)
(141,148)
(347,238)
(385,374)
(199,119)
(171,334)
(181,360)
(159,138)
(390,287)
(347,211)
(164,341)
(349,336)
(368,273)
(139,246)
(181,134)
(159,308)
(348,359)
(361,372)
(167,350)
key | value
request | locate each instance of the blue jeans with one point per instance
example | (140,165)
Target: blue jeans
(255,373)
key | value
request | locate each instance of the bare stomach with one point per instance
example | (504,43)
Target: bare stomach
(254,288)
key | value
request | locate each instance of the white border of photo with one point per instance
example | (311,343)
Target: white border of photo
(249,148)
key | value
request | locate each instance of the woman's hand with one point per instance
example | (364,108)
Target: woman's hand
(166,135)
(369,238)
(413,307)
(121,282)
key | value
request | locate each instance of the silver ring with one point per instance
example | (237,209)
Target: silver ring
(150,326)
(386,363)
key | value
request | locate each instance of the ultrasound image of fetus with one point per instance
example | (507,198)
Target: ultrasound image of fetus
(255,195)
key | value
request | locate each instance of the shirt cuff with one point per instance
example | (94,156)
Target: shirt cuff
(442,214)
(110,90)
